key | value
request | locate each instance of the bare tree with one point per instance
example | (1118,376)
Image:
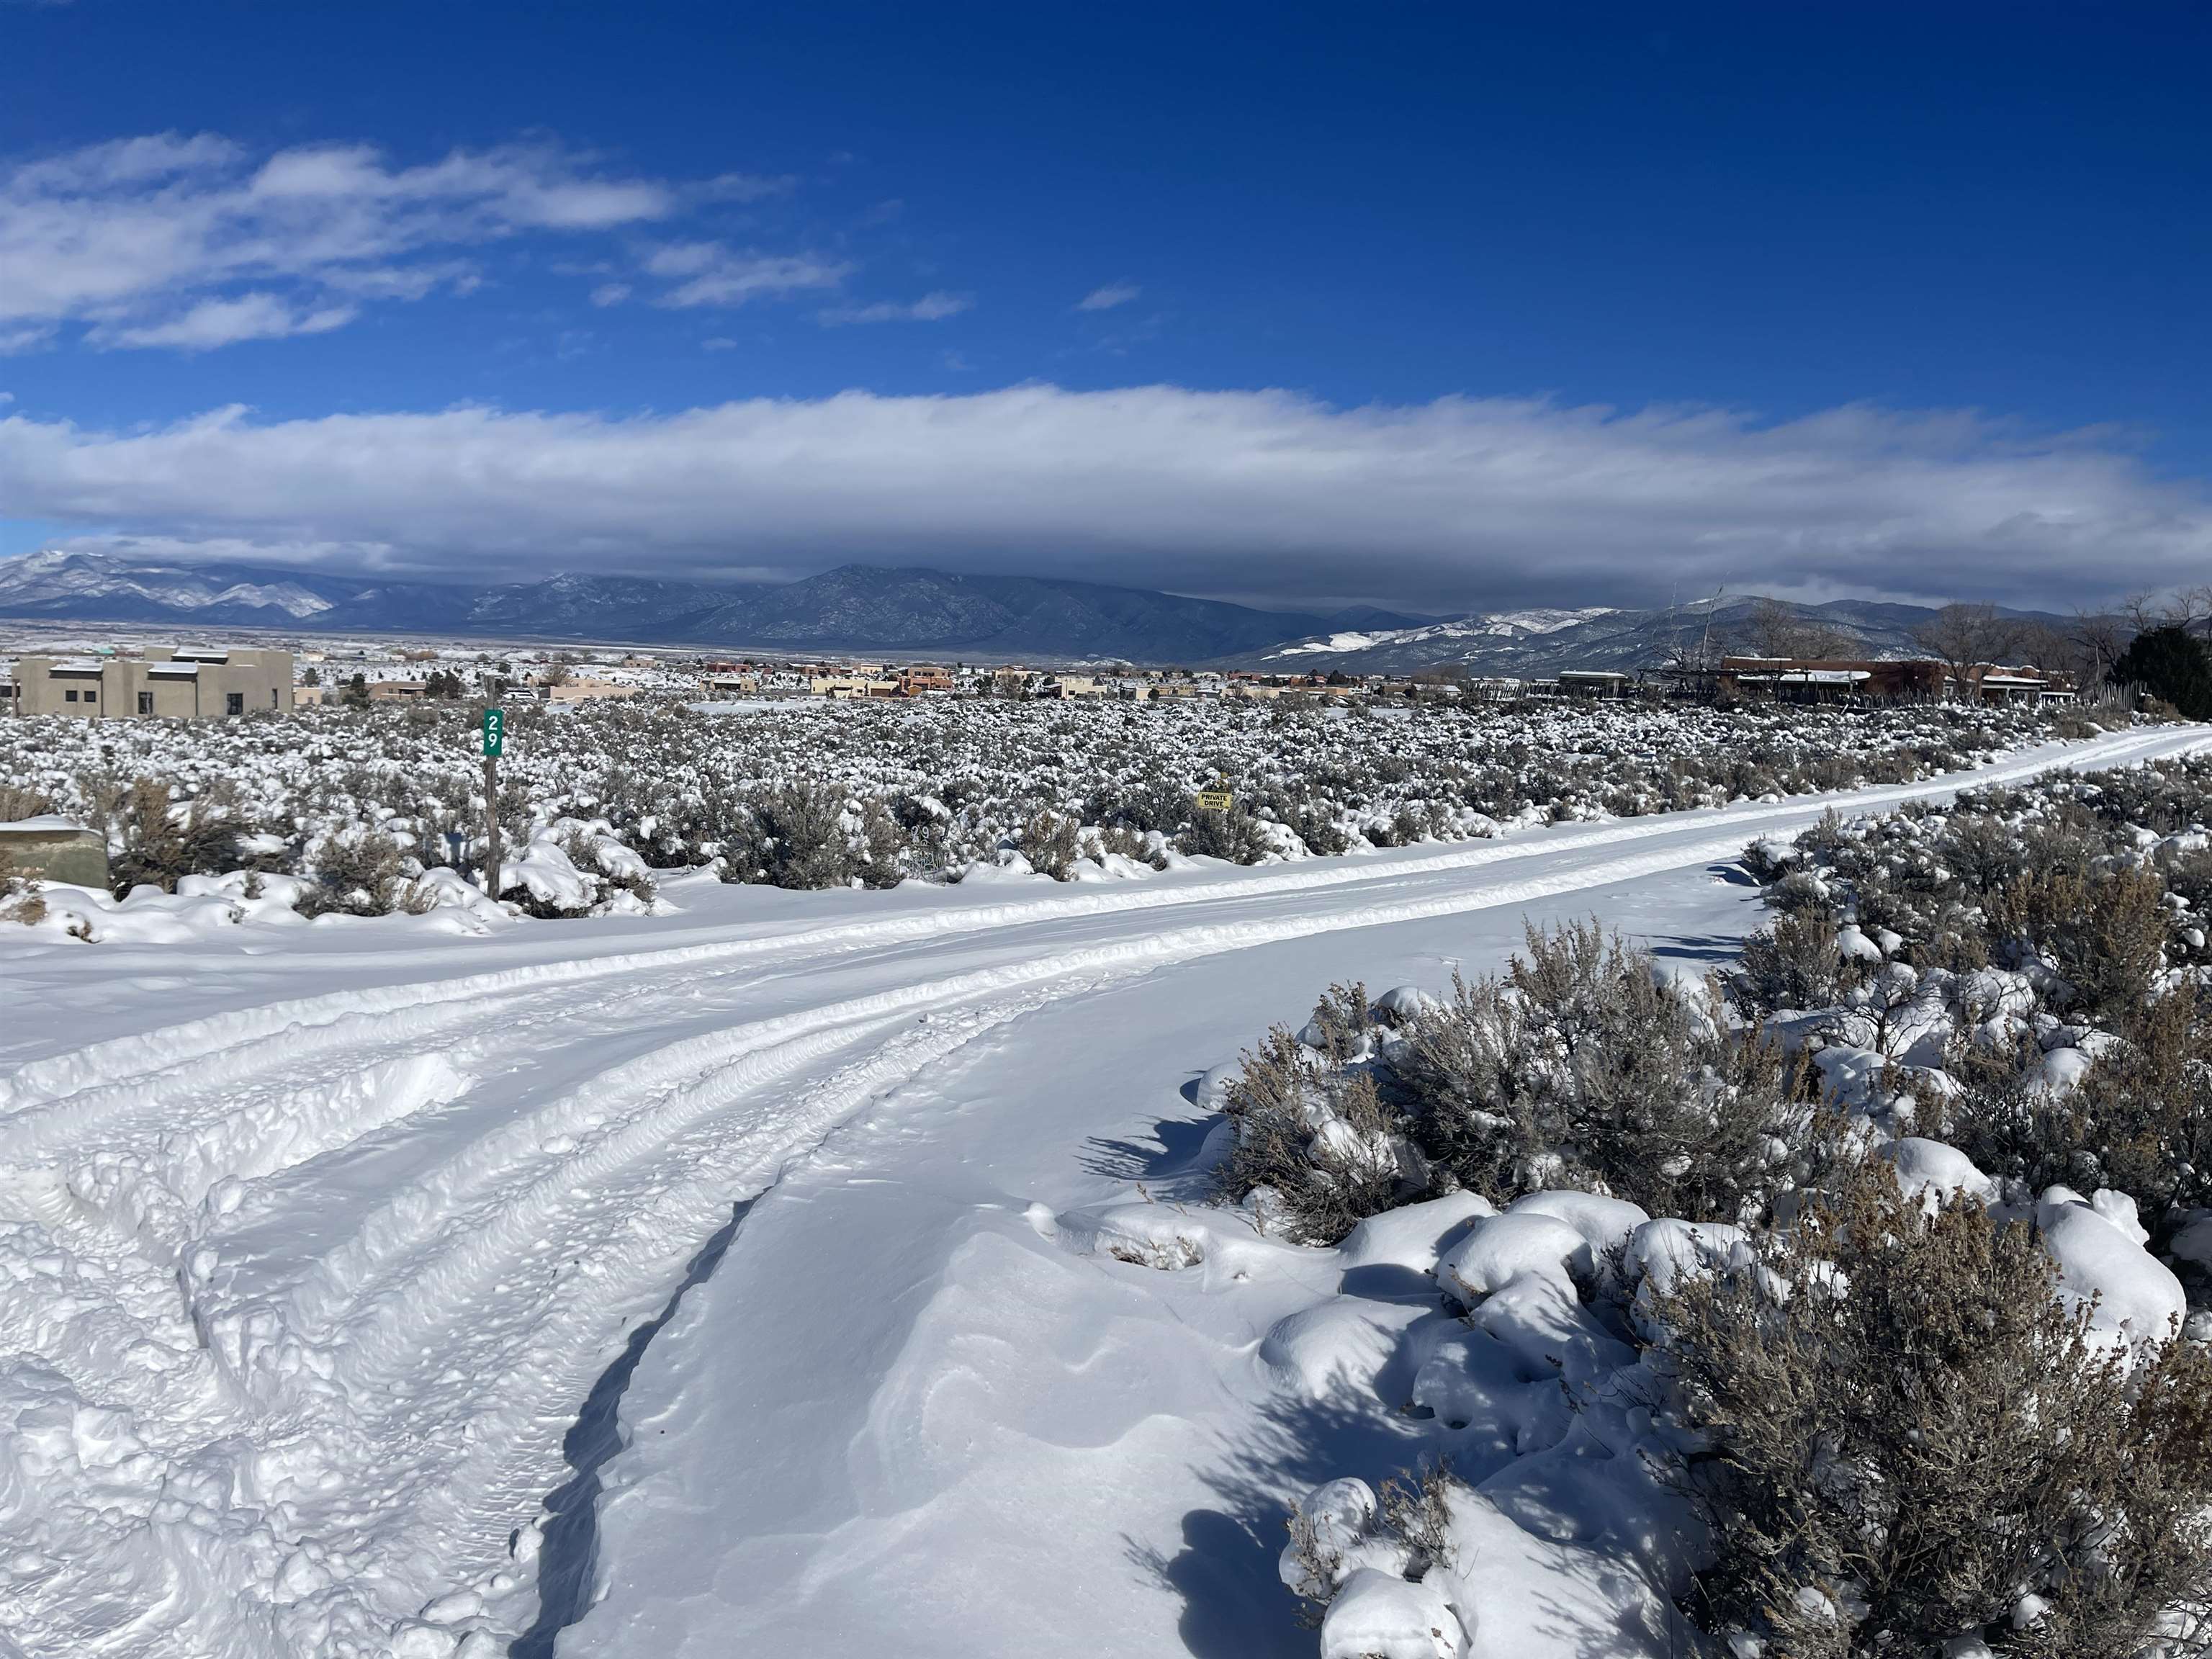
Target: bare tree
(2097,639)
(1780,630)
(2043,646)
(2143,611)
(1966,637)
(2190,608)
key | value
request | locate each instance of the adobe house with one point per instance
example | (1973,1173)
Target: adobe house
(54,849)
(188,683)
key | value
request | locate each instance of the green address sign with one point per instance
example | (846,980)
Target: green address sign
(494,733)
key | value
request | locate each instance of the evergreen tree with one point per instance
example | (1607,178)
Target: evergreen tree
(2171,664)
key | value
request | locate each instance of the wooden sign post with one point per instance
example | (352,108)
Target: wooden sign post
(495,745)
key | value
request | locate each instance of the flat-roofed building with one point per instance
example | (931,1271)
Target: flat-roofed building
(919,680)
(1792,679)
(590,691)
(1595,683)
(186,682)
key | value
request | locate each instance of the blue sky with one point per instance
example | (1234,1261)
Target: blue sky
(1437,305)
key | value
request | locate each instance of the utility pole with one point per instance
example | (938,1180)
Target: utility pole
(495,744)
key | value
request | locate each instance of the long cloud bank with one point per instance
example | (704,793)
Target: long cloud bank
(1456,502)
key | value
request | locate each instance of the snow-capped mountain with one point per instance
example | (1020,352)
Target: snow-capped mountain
(1537,643)
(857,607)
(62,583)
(872,608)
(1490,625)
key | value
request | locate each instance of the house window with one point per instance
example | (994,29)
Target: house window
(69,697)
(272,696)
(145,702)
(92,697)
(233,702)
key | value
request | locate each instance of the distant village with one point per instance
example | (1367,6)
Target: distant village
(125,679)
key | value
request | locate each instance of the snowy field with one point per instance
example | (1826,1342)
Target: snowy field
(335,811)
(322,1250)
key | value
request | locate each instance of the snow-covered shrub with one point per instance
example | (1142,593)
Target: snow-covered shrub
(2024,973)
(20,902)
(567,869)
(17,802)
(1314,1137)
(879,846)
(1230,835)
(791,836)
(360,874)
(1051,842)
(2136,1117)
(959,779)
(2102,933)
(1914,1446)
(1586,1067)
(1120,841)
(155,840)
(1583,1068)
(1346,1527)
(1793,962)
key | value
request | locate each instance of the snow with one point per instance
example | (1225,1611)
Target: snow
(1935,1172)
(1501,1250)
(674,784)
(1508,624)
(2102,1263)
(1376,1614)
(314,1237)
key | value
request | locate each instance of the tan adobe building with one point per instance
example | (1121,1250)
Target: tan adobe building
(590,691)
(182,684)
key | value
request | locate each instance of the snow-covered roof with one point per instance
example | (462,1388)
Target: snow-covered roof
(175,671)
(1811,677)
(47,823)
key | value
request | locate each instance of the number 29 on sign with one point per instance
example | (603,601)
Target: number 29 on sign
(494,733)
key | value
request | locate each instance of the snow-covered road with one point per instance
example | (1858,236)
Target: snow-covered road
(312,1249)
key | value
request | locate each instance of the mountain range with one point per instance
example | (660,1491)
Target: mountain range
(873,608)
(1526,644)
(855,607)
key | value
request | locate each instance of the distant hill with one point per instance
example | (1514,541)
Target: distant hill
(857,607)
(863,607)
(1534,643)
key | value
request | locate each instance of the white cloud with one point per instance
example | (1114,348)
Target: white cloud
(143,241)
(610,293)
(1453,503)
(1106,298)
(930,308)
(744,187)
(214,323)
(716,275)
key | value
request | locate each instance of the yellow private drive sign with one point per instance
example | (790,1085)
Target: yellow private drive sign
(1215,800)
